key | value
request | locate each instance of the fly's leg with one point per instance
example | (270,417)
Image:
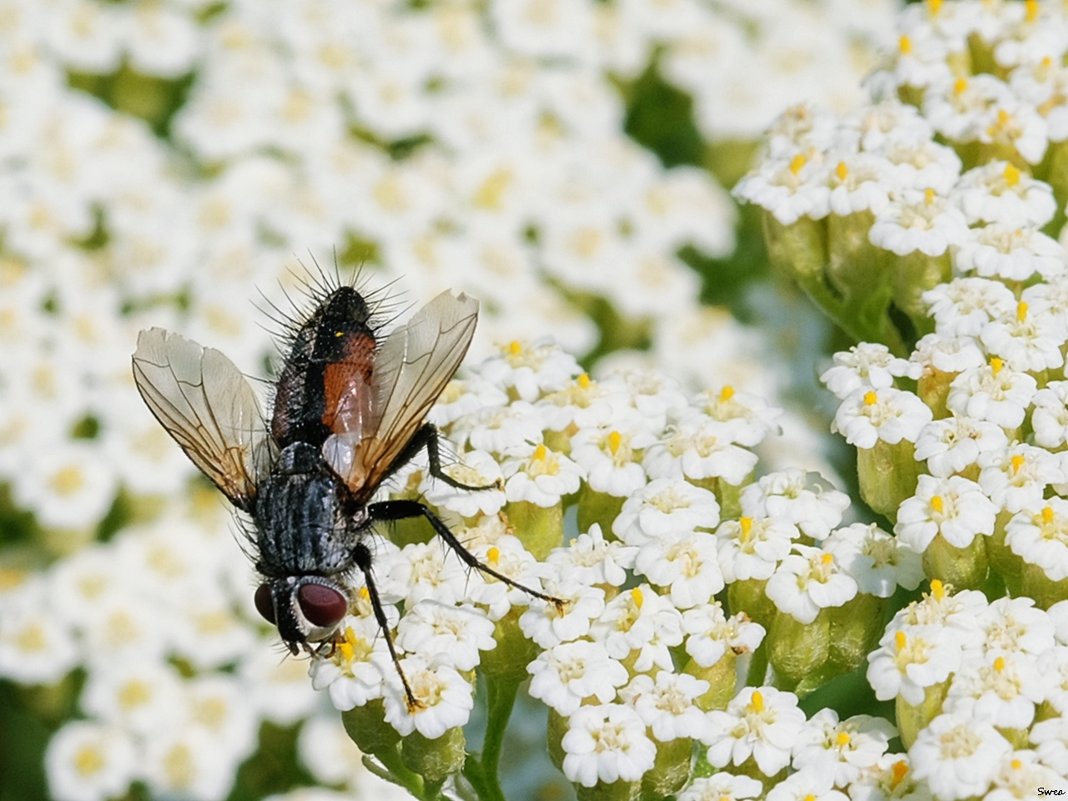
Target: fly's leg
(404,509)
(362,556)
(427,437)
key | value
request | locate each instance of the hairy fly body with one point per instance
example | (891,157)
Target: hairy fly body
(349,410)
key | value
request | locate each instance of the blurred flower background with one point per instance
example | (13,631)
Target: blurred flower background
(568,162)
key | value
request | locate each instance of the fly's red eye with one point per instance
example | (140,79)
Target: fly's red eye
(322,606)
(264,603)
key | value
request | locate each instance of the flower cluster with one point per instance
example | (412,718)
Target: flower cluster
(981,689)
(684,567)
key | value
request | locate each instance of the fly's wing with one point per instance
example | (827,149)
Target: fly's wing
(208,407)
(412,368)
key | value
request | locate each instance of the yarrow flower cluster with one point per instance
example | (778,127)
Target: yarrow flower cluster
(662,602)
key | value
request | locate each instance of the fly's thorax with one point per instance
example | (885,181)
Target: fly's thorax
(302,525)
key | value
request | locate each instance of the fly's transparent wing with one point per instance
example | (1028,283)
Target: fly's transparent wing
(208,407)
(412,368)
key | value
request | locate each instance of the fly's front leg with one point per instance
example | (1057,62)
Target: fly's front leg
(402,510)
(362,556)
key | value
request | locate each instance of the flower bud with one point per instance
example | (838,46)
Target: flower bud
(800,249)
(508,661)
(435,760)
(722,679)
(914,274)
(911,720)
(964,568)
(798,650)
(367,728)
(888,475)
(597,507)
(855,630)
(616,791)
(671,770)
(748,596)
(539,528)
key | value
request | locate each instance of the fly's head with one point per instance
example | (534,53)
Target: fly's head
(306,609)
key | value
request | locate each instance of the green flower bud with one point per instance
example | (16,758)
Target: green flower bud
(799,249)
(367,728)
(911,720)
(722,679)
(888,475)
(435,760)
(616,791)
(540,529)
(597,507)
(1036,584)
(749,596)
(855,630)
(671,771)
(915,273)
(798,650)
(964,568)
(508,661)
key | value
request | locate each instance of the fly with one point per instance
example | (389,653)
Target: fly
(349,410)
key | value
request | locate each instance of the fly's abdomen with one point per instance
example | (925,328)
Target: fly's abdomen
(325,383)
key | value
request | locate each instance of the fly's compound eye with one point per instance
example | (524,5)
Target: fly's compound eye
(264,603)
(322,606)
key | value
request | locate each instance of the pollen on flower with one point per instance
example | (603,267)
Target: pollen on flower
(179,767)
(1021,311)
(899,771)
(637,597)
(841,171)
(1016,463)
(134,693)
(996,364)
(797,163)
(933,7)
(1012,173)
(938,589)
(756,702)
(493,555)
(937,504)
(928,196)
(904,44)
(614,440)
(583,380)
(901,641)
(746,525)
(726,393)
(1047,515)
(999,664)
(843,739)
(960,86)
(1031,10)
(88,760)
(871,398)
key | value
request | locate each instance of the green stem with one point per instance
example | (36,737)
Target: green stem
(483,771)
(758,667)
(393,770)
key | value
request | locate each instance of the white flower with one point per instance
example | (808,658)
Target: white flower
(476,469)
(955,443)
(722,786)
(752,548)
(1020,476)
(808,581)
(686,564)
(639,621)
(994,392)
(806,785)
(1009,252)
(1038,534)
(183,761)
(955,508)
(354,672)
(432,629)
(964,305)
(761,724)
(699,447)
(865,366)
(999,192)
(566,674)
(88,761)
(1026,340)
(1009,626)
(802,498)
(590,559)
(1050,738)
(843,749)
(910,660)
(543,478)
(667,704)
(445,699)
(788,188)
(1049,416)
(530,369)
(548,625)
(663,507)
(918,221)
(958,756)
(605,744)
(37,644)
(710,633)
(607,457)
(878,562)
(890,415)
(1004,692)
(138,695)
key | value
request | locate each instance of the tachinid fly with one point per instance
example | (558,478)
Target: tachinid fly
(349,409)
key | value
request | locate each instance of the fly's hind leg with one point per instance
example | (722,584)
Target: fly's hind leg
(362,556)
